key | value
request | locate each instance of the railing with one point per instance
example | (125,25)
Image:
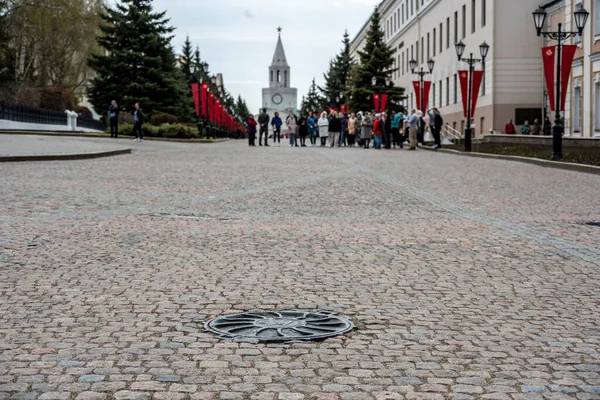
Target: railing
(90,123)
(451,134)
(33,115)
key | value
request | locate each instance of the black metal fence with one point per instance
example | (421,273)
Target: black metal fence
(90,123)
(33,115)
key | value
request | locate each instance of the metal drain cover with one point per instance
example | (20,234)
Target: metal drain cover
(280,326)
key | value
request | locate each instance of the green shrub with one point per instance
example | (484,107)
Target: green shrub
(159,119)
(175,131)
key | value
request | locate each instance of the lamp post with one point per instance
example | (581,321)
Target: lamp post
(380,88)
(539,19)
(484,48)
(413,65)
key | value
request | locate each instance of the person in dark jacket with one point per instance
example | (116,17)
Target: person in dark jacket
(276,124)
(387,130)
(138,118)
(251,130)
(303,129)
(263,121)
(547,126)
(335,127)
(113,116)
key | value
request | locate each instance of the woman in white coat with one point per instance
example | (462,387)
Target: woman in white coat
(323,123)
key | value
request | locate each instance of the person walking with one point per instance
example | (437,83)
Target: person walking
(113,116)
(421,128)
(547,126)
(387,129)
(395,127)
(276,124)
(313,128)
(378,127)
(138,118)
(263,122)
(366,130)
(439,123)
(335,127)
(251,123)
(303,129)
(351,130)
(413,126)
(509,128)
(323,124)
(292,125)
(537,128)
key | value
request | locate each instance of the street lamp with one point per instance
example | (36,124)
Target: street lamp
(380,88)
(539,19)
(484,48)
(413,66)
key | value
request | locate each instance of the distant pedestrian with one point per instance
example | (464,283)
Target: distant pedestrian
(366,130)
(352,130)
(292,126)
(313,128)
(323,128)
(547,126)
(378,127)
(303,129)
(421,128)
(335,127)
(413,125)
(344,130)
(263,121)
(396,121)
(387,130)
(509,128)
(113,116)
(536,129)
(251,122)
(436,122)
(138,118)
(276,124)
(525,129)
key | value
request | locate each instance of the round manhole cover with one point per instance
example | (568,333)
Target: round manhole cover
(280,325)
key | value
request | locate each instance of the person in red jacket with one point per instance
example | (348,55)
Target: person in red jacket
(251,130)
(509,128)
(378,131)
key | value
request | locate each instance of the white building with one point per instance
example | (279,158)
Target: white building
(513,86)
(279,96)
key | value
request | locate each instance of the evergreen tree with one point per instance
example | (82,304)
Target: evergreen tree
(138,64)
(376,59)
(313,101)
(186,59)
(332,87)
(337,78)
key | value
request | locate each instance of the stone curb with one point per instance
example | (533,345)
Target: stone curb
(97,135)
(61,157)
(591,169)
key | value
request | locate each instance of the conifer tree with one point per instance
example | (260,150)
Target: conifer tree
(313,101)
(337,78)
(376,59)
(138,64)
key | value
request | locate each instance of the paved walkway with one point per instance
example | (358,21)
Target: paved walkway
(26,145)
(467,278)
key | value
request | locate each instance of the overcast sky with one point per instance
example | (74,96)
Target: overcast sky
(238,37)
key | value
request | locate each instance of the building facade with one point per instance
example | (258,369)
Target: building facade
(279,96)
(513,86)
(582,108)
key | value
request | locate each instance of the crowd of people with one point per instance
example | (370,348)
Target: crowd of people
(526,129)
(385,130)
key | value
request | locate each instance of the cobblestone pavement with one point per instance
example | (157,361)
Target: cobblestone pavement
(467,278)
(20,145)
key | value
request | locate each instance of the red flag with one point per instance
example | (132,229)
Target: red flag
(196,97)
(548,56)
(417,86)
(464,88)
(477,79)
(211,109)
(384,99)
(568,53)
(204,97)
(376,102)
(426,90)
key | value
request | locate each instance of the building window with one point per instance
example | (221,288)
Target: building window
(412,8)
(285,79)
(403,14)
(441,38)
(441,92)
(597,107)
(472,16)
(464,21)
(402,63)
(396,22)
(527,114)
(428,48)
(271,75)
(596,17)
(448,32)
(433,92)
(455,89)
(483,12)
(434,39)
(278,76)
(412,53)
(422,49)
(577,109)
(448,91)
(456,27)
